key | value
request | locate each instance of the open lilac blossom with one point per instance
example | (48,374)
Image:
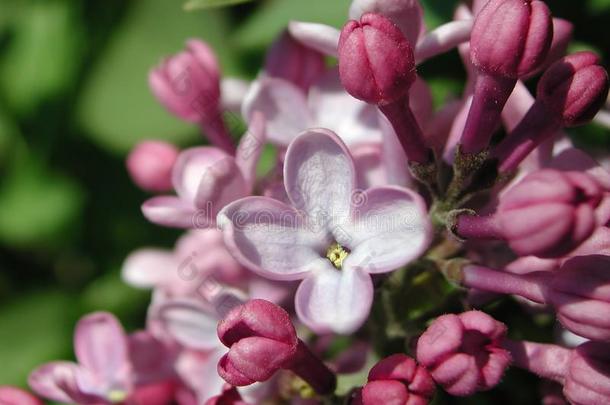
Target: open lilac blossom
(106,372)
(332,237)
(463,352)
(206,179)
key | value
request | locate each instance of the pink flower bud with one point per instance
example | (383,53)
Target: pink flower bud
(376,61)
(574,88)
(579,291)
(188,83)
(463,352)
(548,214)
(398,379)
(588,376)
(229,396)
(511,38)
(15,396)
(261,340)
(188,86)
(290,60)
(150,165)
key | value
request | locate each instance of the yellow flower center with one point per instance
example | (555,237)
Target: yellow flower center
(116,396)
(336,254)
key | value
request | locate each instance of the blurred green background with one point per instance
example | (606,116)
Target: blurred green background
(74,100)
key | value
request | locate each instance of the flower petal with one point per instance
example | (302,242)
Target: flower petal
(100,345)
(233,91)
(221,183)
(57,381)
(322,38)
(319,175)
(189,324)
(147,268)
(172,212)
(190,168)
(353,120)
(333,300)
(270,238)
(284,106)
(390,227)
(250,148)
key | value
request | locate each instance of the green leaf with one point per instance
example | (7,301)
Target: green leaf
(37,205)
(202,4)
(273,16)
(438,12)
(42,55)
(35,329)
(117,108)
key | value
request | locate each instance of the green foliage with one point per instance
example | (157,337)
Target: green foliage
(202,4)
(35,328)
(117,108)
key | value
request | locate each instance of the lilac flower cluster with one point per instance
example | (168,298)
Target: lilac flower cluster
(373,195)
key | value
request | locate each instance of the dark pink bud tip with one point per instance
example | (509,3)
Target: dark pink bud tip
(398,379)
(511,38)
(376,61)
(550,212)
(574,88)
(463,352)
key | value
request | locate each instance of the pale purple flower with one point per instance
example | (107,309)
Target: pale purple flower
(206,179)
(103,374)
(330,235)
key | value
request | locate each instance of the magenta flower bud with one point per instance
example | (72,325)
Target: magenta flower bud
(261,340)
(398,379)
(376,65)
(290,60)
(511,38)
(574,88)
(579,291)
(150,165)
(548,214)
(16,396)
(588,378)
(229,396)
(463,352)
(584,371)
(569,93)
(376,61)
(188,86)
(503,52)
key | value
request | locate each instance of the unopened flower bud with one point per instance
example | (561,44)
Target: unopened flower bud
(463,352)
(376,65)
(261,340)
(570,93)
(548,214)
(578,291)
(510,39)
(290,60)
(150,165)
(376,61)
(406,14)
(574,88)
(397,379)
(188,86)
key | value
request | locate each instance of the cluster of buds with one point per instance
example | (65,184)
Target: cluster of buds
(372,197)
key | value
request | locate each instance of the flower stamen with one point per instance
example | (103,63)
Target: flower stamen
(336,254)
